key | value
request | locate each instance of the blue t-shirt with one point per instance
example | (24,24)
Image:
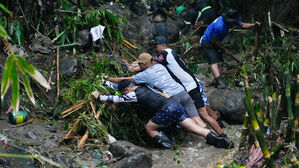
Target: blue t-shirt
(158,76)
(218,28)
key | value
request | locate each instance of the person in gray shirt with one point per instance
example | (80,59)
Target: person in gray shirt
(156,77)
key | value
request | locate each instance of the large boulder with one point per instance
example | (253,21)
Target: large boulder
(125,149)
(229,103)
(132,155)
(139,159)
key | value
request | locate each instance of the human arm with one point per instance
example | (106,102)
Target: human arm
(249,25)
(116,80)
(216,42)
(130,97)
(113,86)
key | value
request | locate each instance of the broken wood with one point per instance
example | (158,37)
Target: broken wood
(129,44)
(73,107)
(93,109)
(57,60)
(71,112)
(72,128)
(9,109)
(83,140)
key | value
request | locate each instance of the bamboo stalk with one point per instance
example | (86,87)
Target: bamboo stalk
(73,107)
(254,123)
(258,112)
(296,123)
(288,98)
(245,125)
(83,140)
(57,60)
(71,112)
(274,114)
(93,110)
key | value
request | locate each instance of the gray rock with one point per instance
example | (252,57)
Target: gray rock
(63,160)
(30,135)
(229,103)
(84,39)
(140,159)
(125,149)
(69,66)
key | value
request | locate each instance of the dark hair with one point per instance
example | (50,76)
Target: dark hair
(123,84)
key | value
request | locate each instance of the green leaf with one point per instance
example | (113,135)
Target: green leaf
(23,65)
(28,88)
(40,79)
(3,33)
(18,34)
(6,76)
(5,9)
(15,87)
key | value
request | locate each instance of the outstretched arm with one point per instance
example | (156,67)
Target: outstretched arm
(116,80)
(249,25)
(130,97)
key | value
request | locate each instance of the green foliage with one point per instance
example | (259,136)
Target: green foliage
(72,24)
(16,65)
(16,31)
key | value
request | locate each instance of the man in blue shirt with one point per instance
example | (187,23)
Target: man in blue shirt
(211,42)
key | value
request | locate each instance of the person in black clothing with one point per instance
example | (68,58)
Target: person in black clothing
(166,112)
(160,9)
(201,14)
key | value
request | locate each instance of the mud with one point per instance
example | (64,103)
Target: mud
(42,137)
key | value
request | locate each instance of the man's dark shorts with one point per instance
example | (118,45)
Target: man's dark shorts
(169,115)
(196,97)
(211,53)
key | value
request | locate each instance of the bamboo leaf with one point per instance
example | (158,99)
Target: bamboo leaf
(15,87)
(28,88)
(6,76)
(18,34)
(24,66)
(5,9)
(40,79)
(3,33)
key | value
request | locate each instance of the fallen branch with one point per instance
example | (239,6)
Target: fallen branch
(71,112)
(25,123)
(93,109)
(83,140)
(73,107)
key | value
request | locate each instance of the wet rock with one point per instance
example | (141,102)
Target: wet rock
(30,135)
(84,39)
(124,149)
(52,129)
(140,159)
(12,161)
(229,103)
(69,66)
(63,160)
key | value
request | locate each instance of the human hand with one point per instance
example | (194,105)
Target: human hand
(95,94)
(257,24)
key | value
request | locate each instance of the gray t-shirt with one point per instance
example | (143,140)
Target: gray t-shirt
(158,76)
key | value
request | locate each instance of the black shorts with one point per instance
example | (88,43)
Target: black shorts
(196,97)
(211,53)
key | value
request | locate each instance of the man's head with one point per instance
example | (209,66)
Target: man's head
(231,17)
(160,43)
(125,86)
(144,61)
